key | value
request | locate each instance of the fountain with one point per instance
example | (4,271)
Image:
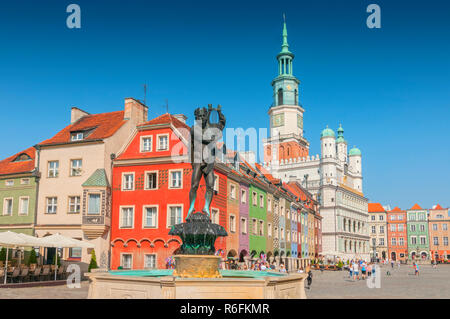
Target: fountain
(196,273)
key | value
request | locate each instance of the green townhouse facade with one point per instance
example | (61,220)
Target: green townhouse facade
(19,181)
(418,238)
(258,219)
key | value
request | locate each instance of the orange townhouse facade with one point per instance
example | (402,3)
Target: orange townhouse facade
(439,223)
(397,234)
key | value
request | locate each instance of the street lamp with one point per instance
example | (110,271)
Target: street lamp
(374,253)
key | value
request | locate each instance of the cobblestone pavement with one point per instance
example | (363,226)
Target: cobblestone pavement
(55,292)
(432,283)
(402,283)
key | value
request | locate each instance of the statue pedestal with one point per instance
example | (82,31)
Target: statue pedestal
(197,266)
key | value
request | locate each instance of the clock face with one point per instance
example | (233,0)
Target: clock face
(288,87)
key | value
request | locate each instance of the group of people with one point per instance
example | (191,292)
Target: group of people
(360,269)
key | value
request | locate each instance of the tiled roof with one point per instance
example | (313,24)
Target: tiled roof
(375,207)
(416,206)
(9,166)
(167,118)
(267,174)
(104,125)
(438,207)
(97,179)
(396,209)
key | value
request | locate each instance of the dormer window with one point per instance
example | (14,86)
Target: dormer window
(77,136)
(22,157)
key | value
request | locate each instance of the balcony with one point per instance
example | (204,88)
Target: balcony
(95,226)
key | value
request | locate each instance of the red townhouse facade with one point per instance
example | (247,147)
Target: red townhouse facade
(397,234)
(151,182)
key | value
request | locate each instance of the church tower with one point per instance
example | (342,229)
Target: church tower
(286,113)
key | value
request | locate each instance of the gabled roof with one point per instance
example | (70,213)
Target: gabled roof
(416,207)
(267,174)
(103,125)
(167,118)
(396,209)
(12,165)
(376,208)
(97,179)
(437,207)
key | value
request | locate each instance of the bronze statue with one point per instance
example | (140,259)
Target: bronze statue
(206,131)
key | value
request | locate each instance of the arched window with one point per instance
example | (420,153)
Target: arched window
(296,97)
(280,96)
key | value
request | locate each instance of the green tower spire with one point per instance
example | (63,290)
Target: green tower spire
(285,45)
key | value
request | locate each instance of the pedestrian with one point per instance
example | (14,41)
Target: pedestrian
(363,270)
(392,263)
(398,264)
(350,270)
(355,271)
(373,270)
(369,270)
(309,279)
(282,268)
(416,269)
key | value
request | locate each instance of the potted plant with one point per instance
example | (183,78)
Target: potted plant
(93,263)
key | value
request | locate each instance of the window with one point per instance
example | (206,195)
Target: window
(381,217)
(261,201)
(374,242)
(445,239)
(53,169)
(126,261)
(269,230)
(176,179)
(422,240)
(94,204)
(413,240)
(175,216)
(9,182)
(261,228)
(7,206)
(434,226)
(75,253)
(127,217)
(374,230)
(52,204)
(381,241)
(128,181)
(254,199)
(163,142)
(215,216)
(243,196)
(393,241)
(393,217)
(400,227)
(401,241)
(254,227)
(421,216)
(412,217)
(146,144)
(413,227)
(74,204)
(435,241)
(393,228)
(216,183)
(269,205)
(373,217)
(232,223)
(275,234)
(400,217)
(75,167)
(151,180)
(23,205)
(150,217)
(77,136)
(243,226)
(282,233)
(381,229)
(150,261)
(422,228)
(232,191)
(444,227)
(25,181)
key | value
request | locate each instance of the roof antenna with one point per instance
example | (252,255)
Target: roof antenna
(167,106)
(145,94)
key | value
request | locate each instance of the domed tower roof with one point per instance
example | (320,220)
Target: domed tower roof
(328,132)
(354,152)
(340,138)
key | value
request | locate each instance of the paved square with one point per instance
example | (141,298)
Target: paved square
(402,283)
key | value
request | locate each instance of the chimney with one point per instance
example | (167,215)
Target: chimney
(180,117)
(76,114)
(135,111)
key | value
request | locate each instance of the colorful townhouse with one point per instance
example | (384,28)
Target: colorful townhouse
(439,222)
(19,179)
(378,232)
(418,236)
(233,202)
(397,236)
(244,248)
(257,216)
(74,196)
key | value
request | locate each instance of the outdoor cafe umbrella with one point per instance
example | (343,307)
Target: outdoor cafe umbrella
(11,239)
(60,241)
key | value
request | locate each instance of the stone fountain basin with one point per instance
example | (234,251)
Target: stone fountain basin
(160,284)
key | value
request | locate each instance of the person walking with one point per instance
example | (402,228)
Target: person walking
(363,270)
(392,263)
(398,264)
(416,269)
(355,271)
(309,279)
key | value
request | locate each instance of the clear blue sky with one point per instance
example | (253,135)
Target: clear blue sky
(390,87)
